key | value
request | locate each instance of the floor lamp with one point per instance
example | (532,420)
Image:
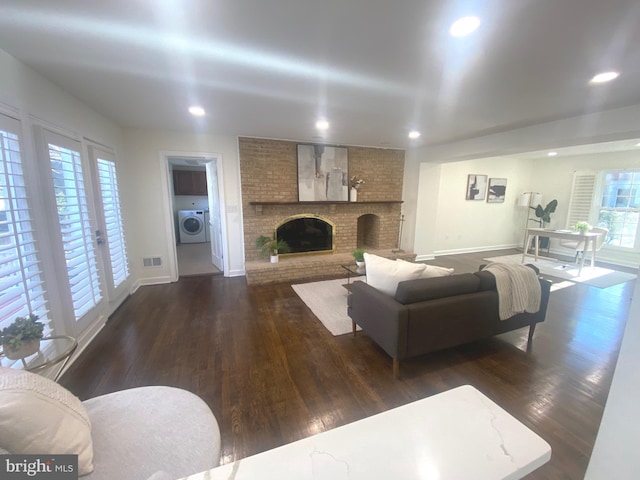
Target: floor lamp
(528,199)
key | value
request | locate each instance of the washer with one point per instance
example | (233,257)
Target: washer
(192,228)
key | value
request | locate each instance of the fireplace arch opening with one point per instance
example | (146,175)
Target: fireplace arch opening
(368,231)
(307,233)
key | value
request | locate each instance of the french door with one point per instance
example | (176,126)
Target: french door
(84,212)
(110,232)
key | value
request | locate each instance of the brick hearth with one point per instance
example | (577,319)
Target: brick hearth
(308,267)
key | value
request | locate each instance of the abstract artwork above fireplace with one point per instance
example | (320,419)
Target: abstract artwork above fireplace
(323,173)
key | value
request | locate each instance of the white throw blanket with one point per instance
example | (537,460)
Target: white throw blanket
(518,289)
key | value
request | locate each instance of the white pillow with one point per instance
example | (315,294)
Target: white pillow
(38,416)
(384,274)
(433,271)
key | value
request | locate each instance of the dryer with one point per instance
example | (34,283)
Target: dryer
(192,227)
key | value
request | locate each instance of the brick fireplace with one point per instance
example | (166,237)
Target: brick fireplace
(268,170)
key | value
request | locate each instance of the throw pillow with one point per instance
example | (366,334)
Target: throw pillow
(384,274)
(38,416)
(431,271)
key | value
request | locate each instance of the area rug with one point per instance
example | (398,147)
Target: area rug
(328,301)
(596,277)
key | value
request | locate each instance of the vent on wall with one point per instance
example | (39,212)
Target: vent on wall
(151,262)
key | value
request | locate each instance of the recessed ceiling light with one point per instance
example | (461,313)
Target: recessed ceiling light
(413,134)
(322,125)
(197,111)
(464,26)
(552,154)
(604,77)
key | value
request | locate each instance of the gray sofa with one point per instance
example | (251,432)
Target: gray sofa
(431,314)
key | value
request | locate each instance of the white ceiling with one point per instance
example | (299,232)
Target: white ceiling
(375,68)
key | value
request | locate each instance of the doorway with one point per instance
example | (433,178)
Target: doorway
(196,213)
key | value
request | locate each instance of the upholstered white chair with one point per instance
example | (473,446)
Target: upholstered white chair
(578,246)
(141,433)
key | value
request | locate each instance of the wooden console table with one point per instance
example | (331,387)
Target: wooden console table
(457,434)
(534,234)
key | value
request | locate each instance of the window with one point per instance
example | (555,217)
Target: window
(619,209)
(22,289)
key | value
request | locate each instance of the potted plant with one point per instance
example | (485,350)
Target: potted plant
(582,227)
(271,247)
(358,254)
(22,337)
(544,217)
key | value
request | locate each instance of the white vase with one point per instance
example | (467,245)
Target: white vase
(353,196)
(274,258)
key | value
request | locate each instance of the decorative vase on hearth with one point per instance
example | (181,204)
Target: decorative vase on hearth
(353,196)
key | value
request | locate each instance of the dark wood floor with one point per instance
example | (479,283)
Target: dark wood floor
(272,374)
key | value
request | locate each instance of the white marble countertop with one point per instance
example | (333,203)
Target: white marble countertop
(458,434)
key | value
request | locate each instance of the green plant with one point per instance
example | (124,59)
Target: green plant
(358,254)
(271,246)
(544,214)
(582,227)
(22,330)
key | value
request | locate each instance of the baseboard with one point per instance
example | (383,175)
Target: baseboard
(460,251)
(237,273)
(422,258)
(150,281)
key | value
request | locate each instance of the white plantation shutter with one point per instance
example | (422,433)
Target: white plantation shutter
(74,223)
(22,289)
(582,195)
(113,221)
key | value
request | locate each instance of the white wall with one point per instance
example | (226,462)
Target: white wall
(427,208)
(23,88)
(447,223)
(146,208)
(615,453)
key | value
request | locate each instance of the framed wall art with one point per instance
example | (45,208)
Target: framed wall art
(323,173)
(476,187)
(497,190)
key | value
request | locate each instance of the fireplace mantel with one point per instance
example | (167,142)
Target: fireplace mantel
(258,205)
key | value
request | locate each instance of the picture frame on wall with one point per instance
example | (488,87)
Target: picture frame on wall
(497,190)
(323,173)
(476,187)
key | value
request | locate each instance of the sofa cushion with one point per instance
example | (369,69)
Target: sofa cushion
(424,289)
(38,416)
(431,270)
(384,274)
